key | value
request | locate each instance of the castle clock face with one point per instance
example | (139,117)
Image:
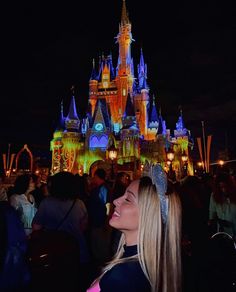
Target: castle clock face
(99,127)
(105,84)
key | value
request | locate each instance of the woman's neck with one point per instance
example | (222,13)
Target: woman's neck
(131,239)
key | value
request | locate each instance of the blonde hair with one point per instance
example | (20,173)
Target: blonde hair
(171,251)
(158,245)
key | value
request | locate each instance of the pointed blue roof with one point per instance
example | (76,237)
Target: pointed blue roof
(94,72)
(180,123)
(110,65)
(144,84)
(72,115)
(153,115)
(141,63)
(129,109)
(61,122)
(102,105)
(142,73)
(160,125)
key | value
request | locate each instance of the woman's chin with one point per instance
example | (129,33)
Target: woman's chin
(113,222)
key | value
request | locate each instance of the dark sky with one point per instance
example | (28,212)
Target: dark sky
(189,50)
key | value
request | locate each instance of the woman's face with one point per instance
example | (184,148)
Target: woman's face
(126,212)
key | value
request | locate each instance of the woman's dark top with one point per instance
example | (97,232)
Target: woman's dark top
(125,277)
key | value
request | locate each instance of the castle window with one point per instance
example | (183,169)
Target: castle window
(124,92)
(98,142)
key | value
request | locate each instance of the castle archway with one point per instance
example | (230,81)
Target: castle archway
(24,159)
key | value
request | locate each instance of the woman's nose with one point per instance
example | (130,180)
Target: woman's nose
(117,201)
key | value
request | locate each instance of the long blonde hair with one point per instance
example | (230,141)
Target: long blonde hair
(158,244)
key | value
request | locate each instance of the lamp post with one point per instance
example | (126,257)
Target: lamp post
(112,154)
(170,157)
(184,159)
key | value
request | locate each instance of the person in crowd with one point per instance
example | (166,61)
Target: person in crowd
(63,203)
(99,203)
(121,183)
(14,270)
(38,191)
(195,206)
(23,201)
(54,207)
(149,254)
(82,188)
(222,210)
(98,212)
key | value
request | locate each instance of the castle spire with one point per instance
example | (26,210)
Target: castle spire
(153,115)
(62,110)
(93,73)
(160,124)
(129,109)
(61,122)
(124,15)
(180,127)
(142,72)
(72,111)
(141,64)
(124,39)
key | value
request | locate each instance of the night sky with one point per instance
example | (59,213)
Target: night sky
(45,49)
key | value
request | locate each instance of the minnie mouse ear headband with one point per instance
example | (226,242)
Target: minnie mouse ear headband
(159,179)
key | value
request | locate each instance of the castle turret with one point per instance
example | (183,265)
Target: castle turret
(161,125)
(124,38)
(93,83)
(110,66)
(152,121)
(180,130)
(105,75)
(72,119)
(61,123)
(129,117)
(142,73)
(124,78)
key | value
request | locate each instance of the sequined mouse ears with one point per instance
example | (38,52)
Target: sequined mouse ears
(159,179)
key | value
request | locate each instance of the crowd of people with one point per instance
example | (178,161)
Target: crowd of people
(147,234)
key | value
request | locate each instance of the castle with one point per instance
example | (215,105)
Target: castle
(121,113)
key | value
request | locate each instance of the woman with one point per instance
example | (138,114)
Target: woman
(23,201)
(148,257)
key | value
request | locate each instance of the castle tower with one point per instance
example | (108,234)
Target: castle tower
(141,100)
(124,78)
(152,122)
(93,84)
(130,134)
(70,139)
(56,144)
(72,119)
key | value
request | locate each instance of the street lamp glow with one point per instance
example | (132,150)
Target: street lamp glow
(184,157)
(112,152)
(221,162)
(170,155)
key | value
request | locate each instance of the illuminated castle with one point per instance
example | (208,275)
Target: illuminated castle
(120,112)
